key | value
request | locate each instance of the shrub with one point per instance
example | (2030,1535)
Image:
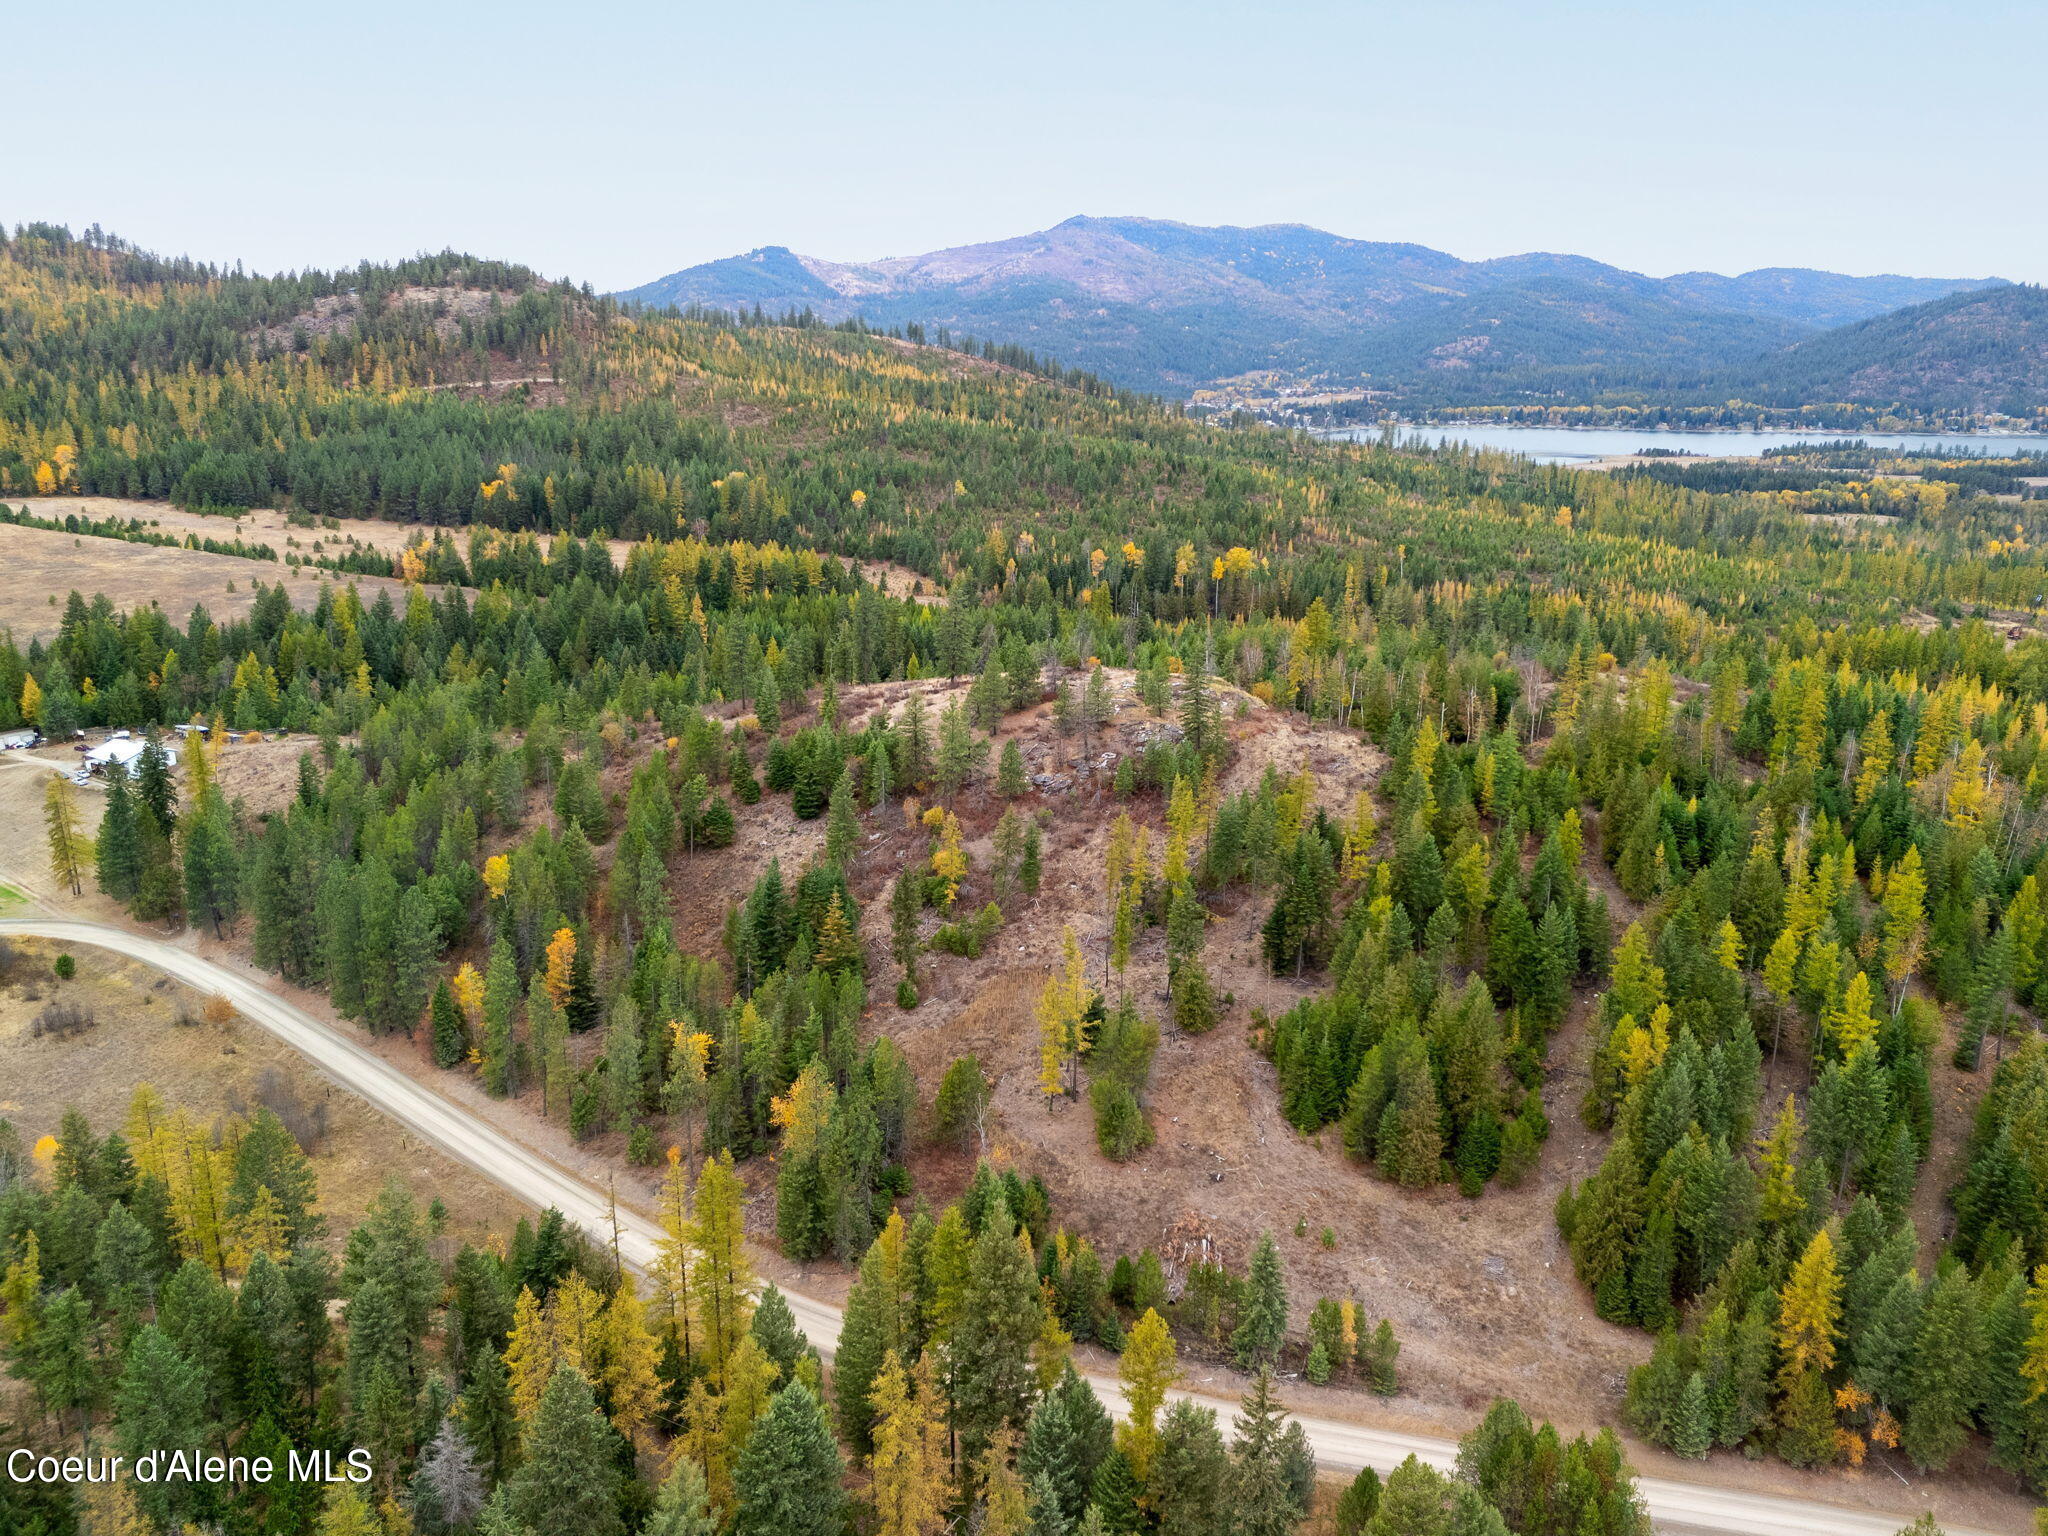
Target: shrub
(61,1021)
(958,1105)
(969,938)
(66,967)
(1121,1129)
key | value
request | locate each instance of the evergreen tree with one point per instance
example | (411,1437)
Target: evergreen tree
(682,1507)
(992,1379)
(451,1033)
(1355,1506)
(212,878)
(1264,1499)
(118,849)
(1262,1316)
(842,823)
(788,1473)
(1010,779)
(568,1481)
(160,1407)
(1188,1489)
(1944,1381)
(1065,1442)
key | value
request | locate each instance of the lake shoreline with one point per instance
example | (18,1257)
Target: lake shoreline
(1612,447)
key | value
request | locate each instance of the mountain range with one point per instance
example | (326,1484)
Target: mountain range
(1178,308)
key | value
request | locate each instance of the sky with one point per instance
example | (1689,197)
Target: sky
(618,140)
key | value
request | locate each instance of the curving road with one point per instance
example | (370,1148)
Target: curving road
(1678,1509)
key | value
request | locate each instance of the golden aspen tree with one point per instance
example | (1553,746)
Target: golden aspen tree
(468,988)
(802,1113)
(497,875)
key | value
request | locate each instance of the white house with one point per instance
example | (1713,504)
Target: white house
(123,749)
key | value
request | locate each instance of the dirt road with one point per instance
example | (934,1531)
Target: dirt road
(1679,1509)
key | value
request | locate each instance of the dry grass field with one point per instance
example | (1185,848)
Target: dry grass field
(42,568)
(149,1028)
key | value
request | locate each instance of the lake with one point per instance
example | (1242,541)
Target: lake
(1572,445)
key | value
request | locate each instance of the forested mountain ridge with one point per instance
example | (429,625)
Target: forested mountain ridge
(1170,306)
(1977,351)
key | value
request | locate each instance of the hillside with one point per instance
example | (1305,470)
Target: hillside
(1975,351)
(1425,925)
(1166,306)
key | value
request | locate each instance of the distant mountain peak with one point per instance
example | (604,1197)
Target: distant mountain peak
(1164,305)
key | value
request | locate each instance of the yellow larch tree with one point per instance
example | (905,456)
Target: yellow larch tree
(560,965)
(1062,1021)
(1851,1026)
(629,1374)
(909,1464)
(1810,1309)
(674,1251)
(1778,1197)
(1149,1367)
(530,1356)
(722,1275)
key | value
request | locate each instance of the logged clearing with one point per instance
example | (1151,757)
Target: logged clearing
(1480,1292)
(43,567)
(149,1028)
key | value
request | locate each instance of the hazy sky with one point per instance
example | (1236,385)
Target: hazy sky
(614,141)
